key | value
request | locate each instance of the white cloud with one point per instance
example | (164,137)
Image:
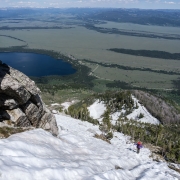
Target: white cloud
(169,2)
(92,3)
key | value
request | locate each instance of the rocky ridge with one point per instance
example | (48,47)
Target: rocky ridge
(20,102)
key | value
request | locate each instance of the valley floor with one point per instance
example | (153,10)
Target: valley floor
(76,155)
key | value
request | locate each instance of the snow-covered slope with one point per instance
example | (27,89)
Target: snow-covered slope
(76,155)
(148,118)
(98,108)
(66,105)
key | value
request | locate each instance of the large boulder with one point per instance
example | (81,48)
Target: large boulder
(14,89)
(21,103)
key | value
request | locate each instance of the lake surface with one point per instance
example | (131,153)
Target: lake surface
(37,65)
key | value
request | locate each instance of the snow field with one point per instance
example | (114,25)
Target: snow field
(76,155)
(98,108)
(67,104)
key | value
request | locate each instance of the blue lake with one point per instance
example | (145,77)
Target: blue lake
(37,65)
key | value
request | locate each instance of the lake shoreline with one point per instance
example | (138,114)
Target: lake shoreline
(80,78)
(37,65)
(46,53)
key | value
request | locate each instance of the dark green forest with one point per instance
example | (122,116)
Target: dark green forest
(148,53)
(132,33)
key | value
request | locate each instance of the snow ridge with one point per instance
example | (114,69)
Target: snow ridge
(98,108)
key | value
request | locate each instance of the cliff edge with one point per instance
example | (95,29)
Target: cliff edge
(20,102)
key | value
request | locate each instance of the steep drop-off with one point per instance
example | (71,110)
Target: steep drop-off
(20,102)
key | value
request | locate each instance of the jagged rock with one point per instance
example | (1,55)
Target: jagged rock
(18,118)
(32,112)
(38,101)
(48,122)
(25,81)
(14,89)
(20,101)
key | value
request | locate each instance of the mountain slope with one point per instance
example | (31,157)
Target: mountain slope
(76,155)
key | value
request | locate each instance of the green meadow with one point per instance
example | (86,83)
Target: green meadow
(70,37)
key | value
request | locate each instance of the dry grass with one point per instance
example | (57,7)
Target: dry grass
(6,131)
(175,169)
(102,137)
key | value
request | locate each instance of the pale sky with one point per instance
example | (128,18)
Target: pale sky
(145,4)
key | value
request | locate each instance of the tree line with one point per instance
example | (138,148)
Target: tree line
(148,53)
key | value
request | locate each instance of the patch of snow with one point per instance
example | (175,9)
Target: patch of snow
(115,116)
(67,104)
(55,104)
(148,118)
(54,112)
(75,155)
(97,109)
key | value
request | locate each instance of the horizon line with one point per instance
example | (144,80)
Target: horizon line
(12,7)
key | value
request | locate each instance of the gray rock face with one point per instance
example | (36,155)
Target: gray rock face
(20,101)
(18,118)
(14,89)
(32,112)
(48,122)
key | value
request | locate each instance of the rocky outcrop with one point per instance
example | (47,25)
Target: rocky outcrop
(20,101)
